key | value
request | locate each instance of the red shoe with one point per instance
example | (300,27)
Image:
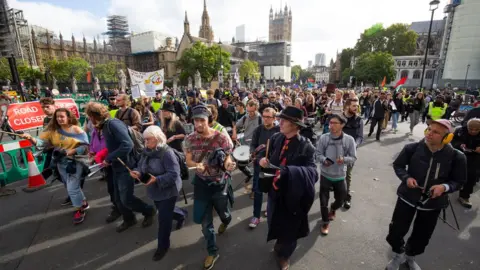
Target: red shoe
(331,215)
(78,216)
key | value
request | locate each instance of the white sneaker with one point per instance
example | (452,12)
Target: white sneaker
(412,265)
(396,261)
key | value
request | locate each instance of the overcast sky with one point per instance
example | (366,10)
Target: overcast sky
(318,25)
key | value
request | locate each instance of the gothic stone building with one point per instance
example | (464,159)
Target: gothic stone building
(280,25)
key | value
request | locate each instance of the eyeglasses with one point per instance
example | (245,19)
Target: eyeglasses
(334,123)
(268,117)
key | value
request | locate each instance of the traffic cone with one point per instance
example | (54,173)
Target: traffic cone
(35,178)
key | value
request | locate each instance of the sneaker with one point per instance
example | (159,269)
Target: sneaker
(465,202)
(265,214)
(347,204)
(396,261)
(324,229)
(78,216)
(85,206)
(125,225)
(222,228)
(254,222)
(66,202)
(114,215)
(331,215)
(159,254)
(210,262)
(412,265)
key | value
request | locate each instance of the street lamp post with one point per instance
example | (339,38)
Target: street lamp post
(433,6)
(466,75)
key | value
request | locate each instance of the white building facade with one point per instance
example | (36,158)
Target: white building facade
(411,67)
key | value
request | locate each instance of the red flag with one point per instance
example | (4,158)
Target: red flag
(401,82)
(89,76)
(384,81)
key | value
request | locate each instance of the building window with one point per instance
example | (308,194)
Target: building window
(429,74)
(428,62)
(399,63)
(404,73)
(410,63)
(404,63)
(415,63)
(417,74)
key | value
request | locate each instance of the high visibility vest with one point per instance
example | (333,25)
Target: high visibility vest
(112,113)
(218,127)
(436,112)
(157,105)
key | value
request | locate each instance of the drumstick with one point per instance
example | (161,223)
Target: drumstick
(268,146)
(10,133)
(129,170)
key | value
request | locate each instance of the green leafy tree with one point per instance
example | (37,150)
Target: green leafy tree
(64,69)
(400,40)
(207,60)
(25,72)
(250,69)
(5,69)
(296,72)
(346,57)
(397,39)
(108,72)
(305,74)
(373,66)
(346,73)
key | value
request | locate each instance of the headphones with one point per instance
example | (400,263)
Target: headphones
(446,139)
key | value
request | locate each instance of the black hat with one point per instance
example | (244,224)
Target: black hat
(200,111)
(168,107)
(192,94)
(293,114)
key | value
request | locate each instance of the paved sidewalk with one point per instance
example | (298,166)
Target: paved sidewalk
(37,233)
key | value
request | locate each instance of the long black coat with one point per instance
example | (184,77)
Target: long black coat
(296,191)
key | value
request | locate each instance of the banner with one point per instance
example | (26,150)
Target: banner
(147,81)
(29,115)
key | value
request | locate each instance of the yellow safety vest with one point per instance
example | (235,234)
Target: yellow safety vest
(157,105)
(218,127)
(436,112)
(112,113)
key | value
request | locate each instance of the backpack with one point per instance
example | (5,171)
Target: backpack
(137,139)
(182,161)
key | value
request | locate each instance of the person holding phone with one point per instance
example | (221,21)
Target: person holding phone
(335,151)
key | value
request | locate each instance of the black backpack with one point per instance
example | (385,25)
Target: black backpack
(181,161)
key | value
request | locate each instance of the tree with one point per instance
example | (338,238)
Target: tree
(296,72)
(249,69)
(345,58)
(108,72)
(346,73)
(373,66)
(397,39)
(5,69)
(63,70)
(305,74)
(25,72)
(207,60)
(400,40)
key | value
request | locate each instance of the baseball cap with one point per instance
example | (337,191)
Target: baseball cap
(200,111)
(444,122)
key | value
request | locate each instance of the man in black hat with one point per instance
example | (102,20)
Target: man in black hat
(291,160)
(178,105)
(192,102)
(226,116)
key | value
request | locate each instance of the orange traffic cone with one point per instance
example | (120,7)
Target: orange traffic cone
(35,178)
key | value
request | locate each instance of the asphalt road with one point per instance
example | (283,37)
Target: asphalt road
(37,233)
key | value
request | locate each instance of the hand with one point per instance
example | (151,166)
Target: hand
(234,137)
(91,154)
(340,160)
(437,191)
(326,163)
(171,139)
(71,152)
(477,150)
(264,162)
(151,180)
(135,175)
(200,167)
(105,163)
(230,166)
(463,146)
(412,183)
(25,136)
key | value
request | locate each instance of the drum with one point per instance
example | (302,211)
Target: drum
(242,155)
(310,121)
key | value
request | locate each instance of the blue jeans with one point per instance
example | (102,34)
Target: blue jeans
(207,198)
(395,116)
(366,112)
(165,217)
(283,248)
(125,200)
(72,181)
(258,198)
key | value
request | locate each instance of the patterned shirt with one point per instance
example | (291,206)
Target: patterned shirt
(196,145)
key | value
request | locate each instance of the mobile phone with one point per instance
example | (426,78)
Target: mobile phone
(329,161)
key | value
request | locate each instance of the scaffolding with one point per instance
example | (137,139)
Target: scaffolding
(117,31)
(15,36)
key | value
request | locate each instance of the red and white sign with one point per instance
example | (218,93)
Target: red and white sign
(29,115)
(14,145)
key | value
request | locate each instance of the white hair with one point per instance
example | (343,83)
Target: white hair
(157,133)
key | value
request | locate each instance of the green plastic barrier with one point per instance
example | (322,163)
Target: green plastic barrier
(16,172)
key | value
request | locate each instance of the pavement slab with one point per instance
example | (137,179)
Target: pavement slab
(37,233)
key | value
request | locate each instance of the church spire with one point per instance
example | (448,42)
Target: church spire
(186,25)
(206,31)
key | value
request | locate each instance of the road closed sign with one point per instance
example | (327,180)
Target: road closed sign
(29,115)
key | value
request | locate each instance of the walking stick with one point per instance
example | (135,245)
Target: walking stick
(184,196)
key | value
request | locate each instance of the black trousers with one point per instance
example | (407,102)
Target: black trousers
(339,192)
(423,227)
(111,191)
(467,189)
(378,122)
